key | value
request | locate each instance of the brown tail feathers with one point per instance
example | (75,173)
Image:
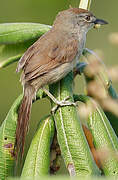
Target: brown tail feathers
(23,119)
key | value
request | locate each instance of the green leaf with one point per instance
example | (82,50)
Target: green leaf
(7,139)
(103,135)
(15,38)
(37,162)
(11,53)
(12,33)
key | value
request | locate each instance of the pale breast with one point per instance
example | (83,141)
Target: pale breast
(81,45)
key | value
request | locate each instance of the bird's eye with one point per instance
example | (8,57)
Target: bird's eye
(88,18)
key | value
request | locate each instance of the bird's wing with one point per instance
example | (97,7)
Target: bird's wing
(50,54)
(28,55)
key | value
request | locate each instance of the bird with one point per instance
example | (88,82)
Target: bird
(50,59)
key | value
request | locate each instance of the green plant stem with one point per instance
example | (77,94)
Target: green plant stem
(73,144)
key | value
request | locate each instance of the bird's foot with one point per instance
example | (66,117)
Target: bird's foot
(64,102)
(58,103)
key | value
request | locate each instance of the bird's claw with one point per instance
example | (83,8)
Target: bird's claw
(64,102)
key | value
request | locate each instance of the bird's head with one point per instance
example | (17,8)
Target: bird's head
(78,18)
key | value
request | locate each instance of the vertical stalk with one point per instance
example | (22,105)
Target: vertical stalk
(85,4)
(73,144)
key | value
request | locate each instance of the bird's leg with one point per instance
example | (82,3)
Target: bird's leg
(79,69)
(57,102)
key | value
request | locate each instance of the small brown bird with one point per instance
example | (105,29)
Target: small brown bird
(51,58)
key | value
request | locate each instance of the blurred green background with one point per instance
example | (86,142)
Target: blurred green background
(44,11)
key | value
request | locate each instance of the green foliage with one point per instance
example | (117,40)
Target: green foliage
(15,38)
(14,33)
(38,158)
(104,136)
(70,135)
(7,139)
(64,178)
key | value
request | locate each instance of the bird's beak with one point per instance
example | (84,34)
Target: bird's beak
(100,22)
